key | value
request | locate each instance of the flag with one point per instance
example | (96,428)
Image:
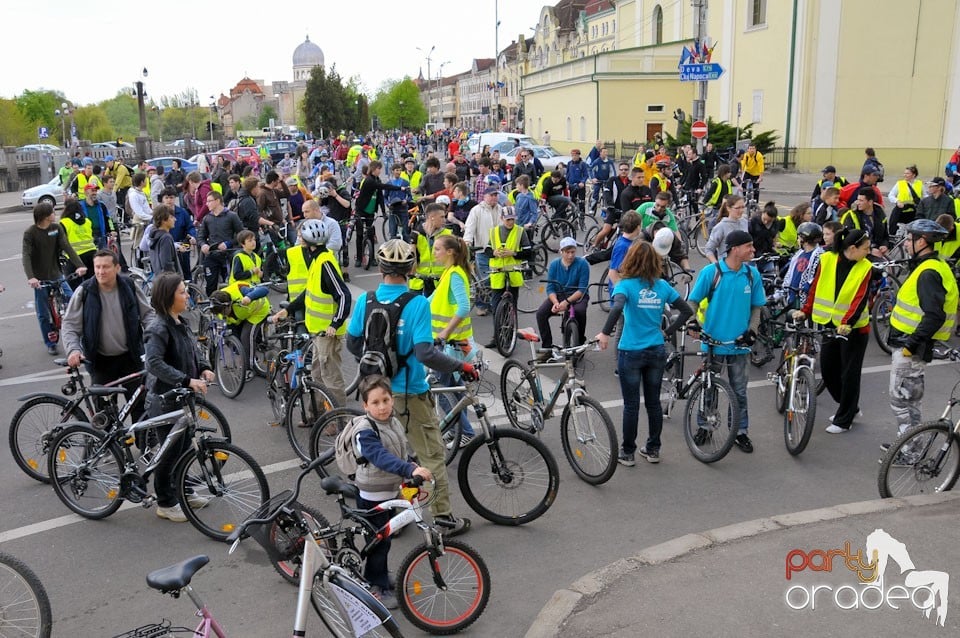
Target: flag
(685,56)
(710,51)
(696,50)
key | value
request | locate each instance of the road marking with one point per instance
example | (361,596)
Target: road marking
(47,375)
(17,256)
(22,314)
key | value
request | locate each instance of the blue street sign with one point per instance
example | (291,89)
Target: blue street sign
(73,129)
(42,132)
(700,72)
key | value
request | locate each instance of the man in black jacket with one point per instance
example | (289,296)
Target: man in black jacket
(869,217)
(217,235)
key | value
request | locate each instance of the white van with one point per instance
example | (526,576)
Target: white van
(502,142)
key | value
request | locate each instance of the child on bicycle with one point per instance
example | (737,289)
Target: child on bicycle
(247,266)
(381,447)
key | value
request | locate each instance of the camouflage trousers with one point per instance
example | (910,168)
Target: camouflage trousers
(906,389)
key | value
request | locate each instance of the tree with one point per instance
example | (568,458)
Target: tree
(15,128)
(93,124)
(266,114)
(121,111)
(723,135)
(398,103)
(40,107)
(325,101)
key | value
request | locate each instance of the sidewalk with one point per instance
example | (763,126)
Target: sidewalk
(731,581)
(11,202)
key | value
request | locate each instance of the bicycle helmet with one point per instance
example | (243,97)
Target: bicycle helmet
(810,231)
(663,241)
(220,301)
(443,200)
(662,164)
(928,229)
(313,232)
(323,191)
(396,257)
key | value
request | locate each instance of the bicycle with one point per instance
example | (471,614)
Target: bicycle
(56,306)
(24,604)
(218,344)
(693,225)
(711,403)
(274,249)
(94,470)
(368,253)
(40,419)
(505,314)
(307,403)
(925,458)
(515,483)
(885,300)
(586,430)
(287,369)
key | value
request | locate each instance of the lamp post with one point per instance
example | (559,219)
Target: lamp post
(213,110)
(429,87)
(159,111)
(440,89)
(62,114)
(279,111)
(143,138)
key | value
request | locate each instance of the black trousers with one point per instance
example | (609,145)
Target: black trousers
(544,312)
(840,365)
(216,267)
(109,369)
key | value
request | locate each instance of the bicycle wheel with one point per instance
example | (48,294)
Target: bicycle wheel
(505,326)
(603,295)
(85,473)
(305,406)
(230,364)
(325,430)
(24,604)
(923,460)
(265,349)
(678,279)
(781,382)
(448,607)
(33,427)
(530,296)
(210,416)
(798,421)
(589,440)
(538,260)
(711,420)
(701,234)
(589,239)
(571,334)
(519,397)
(760,352)
(514,479)
(368,258)
(287,535)
(452,432)
(192,314)
(554,231)
(880,318)
(226,480)
(348,610)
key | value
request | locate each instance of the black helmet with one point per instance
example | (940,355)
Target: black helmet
(810,231)
(928,229)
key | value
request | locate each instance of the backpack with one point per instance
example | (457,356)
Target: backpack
(380,322)
(345,450)
(717,274)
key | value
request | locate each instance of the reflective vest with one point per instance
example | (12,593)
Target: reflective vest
(413,179)
(829,306)
(538,189)
(947,249)
(720,190)
(80,236)
(321,307)
(913,190)
(907,313)
(662,182)
(216,186)
(788,236)
(498,279)
(297,277)
(255,312)
(852,214)
(425,263)
(443,310)
(82,184)
(248,263)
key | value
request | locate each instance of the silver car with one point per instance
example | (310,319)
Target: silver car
(547,155)
(51,192)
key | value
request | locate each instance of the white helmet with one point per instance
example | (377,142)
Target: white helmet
(323,191)
(443,200)
(663,241)
(313,232)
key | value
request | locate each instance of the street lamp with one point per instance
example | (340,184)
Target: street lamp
(159,110)
(440,89)
(62,114)
(213,110)
(143,138)
(279,111)
(429,100)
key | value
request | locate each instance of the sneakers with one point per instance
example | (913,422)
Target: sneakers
(197,502)
(358,264)
(482,312)
(52,351)
(545,354)
(884,447)
(626,459)
(836,429)
(744,443)
(454,526)
(833,416)
(250,375)
(702,436)
(464,441)
(387,597)
(174,514)
(652,456)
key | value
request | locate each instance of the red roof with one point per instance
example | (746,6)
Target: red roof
(246,84)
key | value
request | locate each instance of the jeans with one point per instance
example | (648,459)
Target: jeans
(216,267)
(751,179)
(736,365)
(375,568)
(48,333)
(483,269)
(163,485)
(641,369)
(560,205)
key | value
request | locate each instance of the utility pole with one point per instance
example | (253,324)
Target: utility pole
(429,85)
(495,115)
(700,33)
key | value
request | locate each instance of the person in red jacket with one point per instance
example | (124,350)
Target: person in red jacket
(848,194)
(195,195)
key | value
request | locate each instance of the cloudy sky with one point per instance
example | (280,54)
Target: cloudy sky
(89,51)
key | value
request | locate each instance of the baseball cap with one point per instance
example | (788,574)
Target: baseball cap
(491,190)
(829,169)
(738,238)
(493,179)
(91,187)
(108,158)
(873,171)
(291,181)
(569,242)
(151,168)
(508,213)
(937,181)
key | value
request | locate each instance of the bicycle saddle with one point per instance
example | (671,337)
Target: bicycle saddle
(336,485)
(527,334)
(176,577)
(105,391)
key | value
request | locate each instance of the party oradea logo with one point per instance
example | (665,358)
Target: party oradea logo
(871,587)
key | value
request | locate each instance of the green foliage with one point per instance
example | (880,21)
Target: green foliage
(40,107)
(723,135)
(121,112)
(266,114)
(325,102)
(15,128)
(411,114)
(93,124)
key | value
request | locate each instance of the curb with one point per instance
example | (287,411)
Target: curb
(585,590)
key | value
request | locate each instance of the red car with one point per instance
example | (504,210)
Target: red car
(247,154)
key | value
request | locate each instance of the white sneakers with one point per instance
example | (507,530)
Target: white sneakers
(836,429)
(174,514)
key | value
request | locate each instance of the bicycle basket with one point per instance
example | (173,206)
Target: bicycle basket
(278,537)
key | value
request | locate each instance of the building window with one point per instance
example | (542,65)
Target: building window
(539,126)
(757,106)
(657,25)
(654,108)
(613,26)
(569,127)
(758,13)
(583,128)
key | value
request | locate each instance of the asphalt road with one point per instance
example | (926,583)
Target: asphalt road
(94,570)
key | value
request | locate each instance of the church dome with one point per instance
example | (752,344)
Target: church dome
(307,54)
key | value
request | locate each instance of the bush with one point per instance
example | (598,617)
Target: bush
(723,135)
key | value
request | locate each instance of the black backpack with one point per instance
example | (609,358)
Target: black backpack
(380,322)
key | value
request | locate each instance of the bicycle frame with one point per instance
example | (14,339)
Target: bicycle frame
(568,381)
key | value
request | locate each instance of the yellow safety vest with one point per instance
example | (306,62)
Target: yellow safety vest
(248,262)
(297,277)
(443,310)
(829,306)
(852,214)
(254,313)
(80,236)
(904,188)
(320,307)
(788,236)
(720,190)
(498,279)
(907,313)
(81,184)
(216,186)
(947,249)
(425,263)
(412,179)
(538,189)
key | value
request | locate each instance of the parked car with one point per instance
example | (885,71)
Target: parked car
(547,155)
(167,164)
(277,149)
(47,148)
(246,153)
(112,145)
(181,143)
(502,142)
(51,192)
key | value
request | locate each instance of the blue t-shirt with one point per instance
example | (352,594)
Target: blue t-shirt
(413,328)
(620,248)
(728,315)
(642,312)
